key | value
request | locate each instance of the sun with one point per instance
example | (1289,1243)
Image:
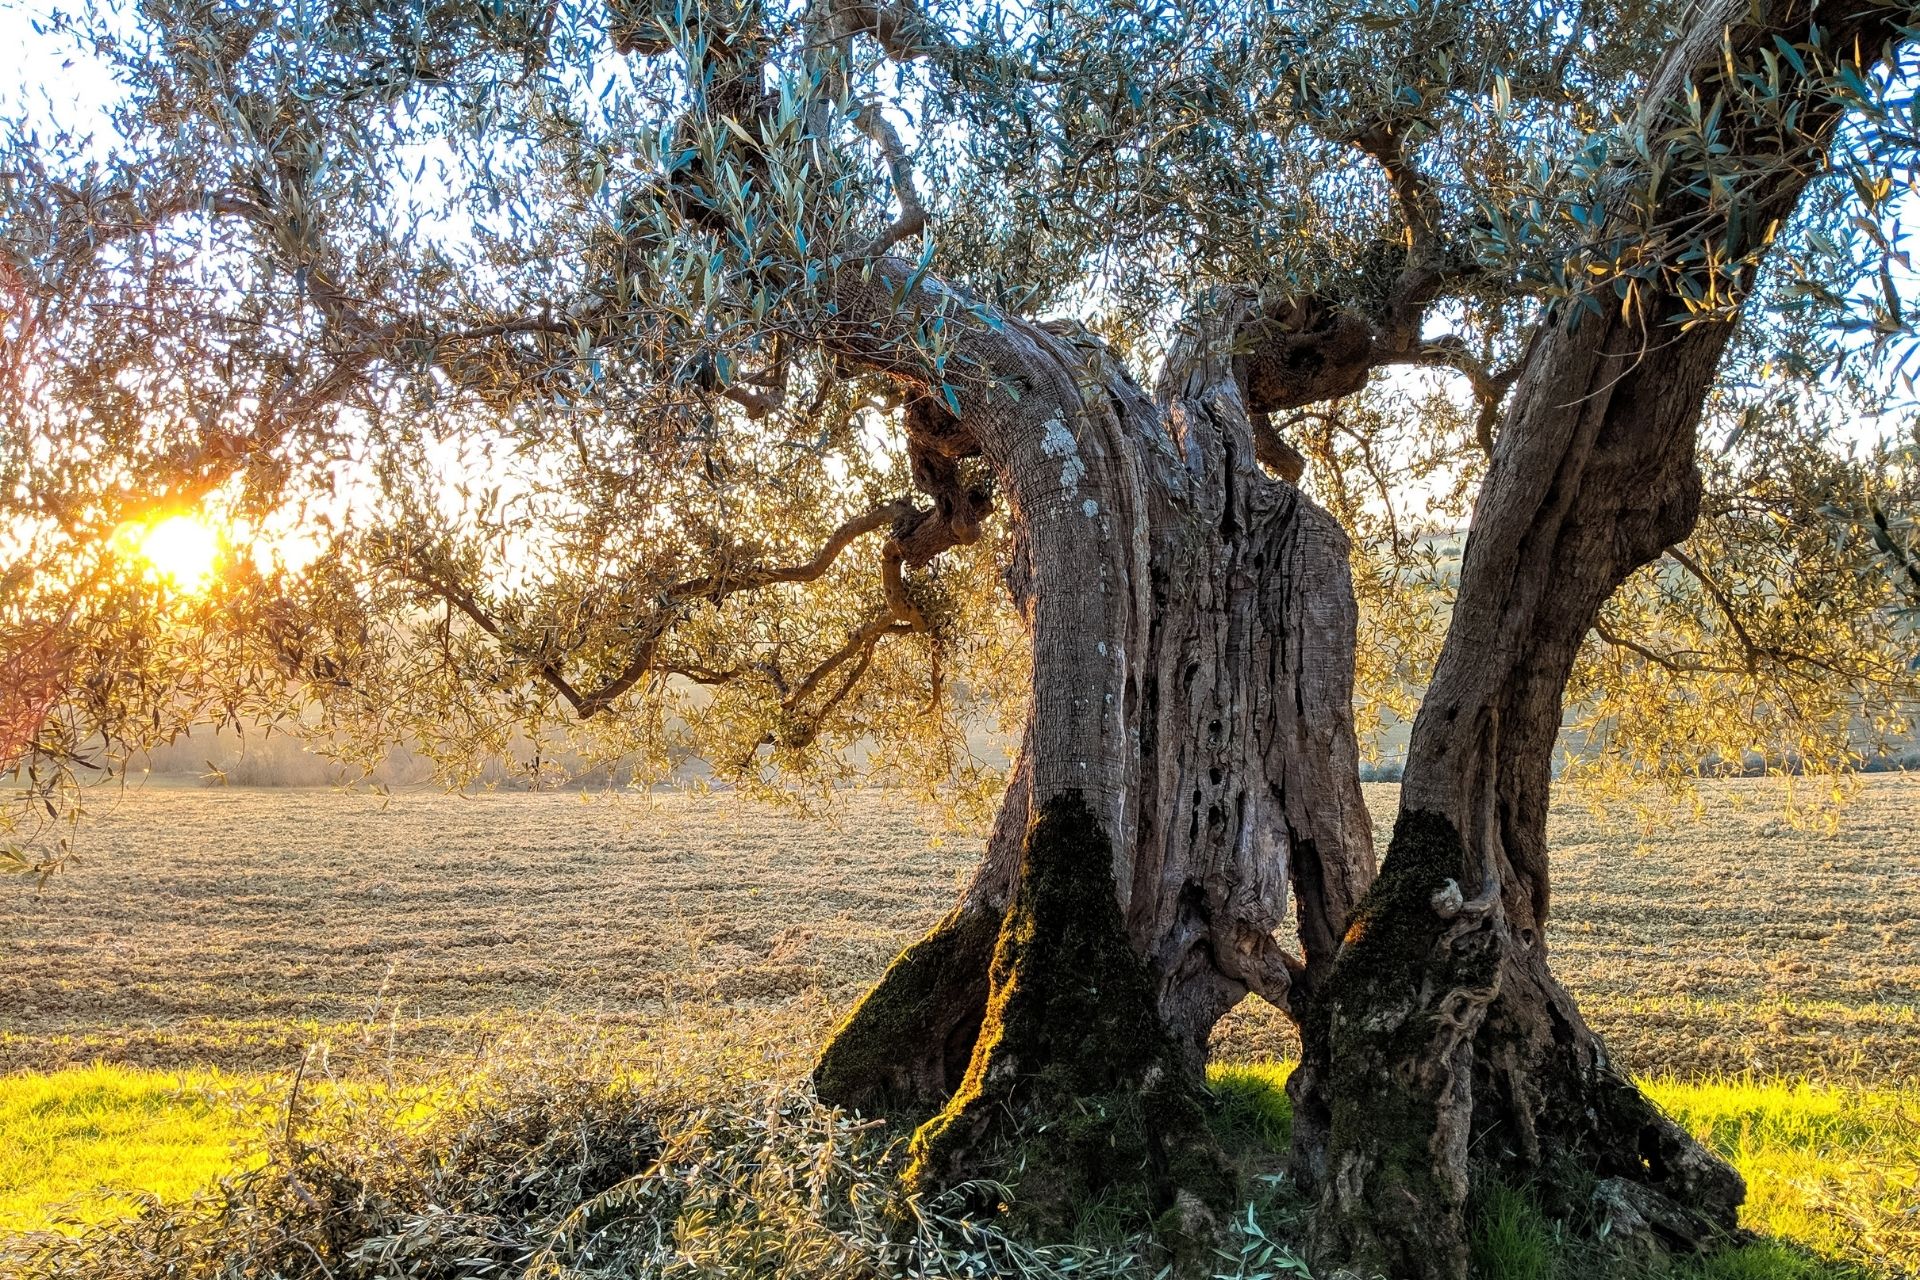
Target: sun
(183,551)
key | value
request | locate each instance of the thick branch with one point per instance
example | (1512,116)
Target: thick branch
(718,585)
(1273,451)
(901,29)
(1427,267)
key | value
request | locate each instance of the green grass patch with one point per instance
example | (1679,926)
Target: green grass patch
(1833,1177)
(1831,1171)
(80,1145)
(1254,1106)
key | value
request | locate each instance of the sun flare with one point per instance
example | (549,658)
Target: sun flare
(182,550)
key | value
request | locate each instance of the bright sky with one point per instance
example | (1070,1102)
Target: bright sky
(51,81)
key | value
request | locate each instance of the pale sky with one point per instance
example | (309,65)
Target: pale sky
(51,82)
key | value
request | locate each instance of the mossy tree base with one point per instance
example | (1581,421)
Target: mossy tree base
(1389,1066)
(904,1049)
(1551,1108)
(1442,1056)
(1076,1093)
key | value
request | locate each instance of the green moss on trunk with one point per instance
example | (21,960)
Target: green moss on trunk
(905,1045)
(1076,1093)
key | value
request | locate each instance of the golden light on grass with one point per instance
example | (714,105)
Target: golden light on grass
(183,550)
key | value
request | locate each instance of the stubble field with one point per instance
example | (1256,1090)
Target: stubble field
(232,928)
(166,997)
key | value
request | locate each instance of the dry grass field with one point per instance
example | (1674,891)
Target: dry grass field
(231,927)
(210,939)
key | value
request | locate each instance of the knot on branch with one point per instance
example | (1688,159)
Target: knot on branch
(903,32)
(954,521)
(937,443)
(1299,351)
(933,428)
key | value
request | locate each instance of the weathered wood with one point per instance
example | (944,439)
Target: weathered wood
(1192,623)
(1442,1031)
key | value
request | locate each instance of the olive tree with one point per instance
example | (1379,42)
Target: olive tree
(714,375)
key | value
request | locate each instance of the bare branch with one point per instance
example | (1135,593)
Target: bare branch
(913,214)
(1676,663)
(713,587)
(748,579)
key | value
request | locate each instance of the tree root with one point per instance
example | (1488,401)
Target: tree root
(904,1048)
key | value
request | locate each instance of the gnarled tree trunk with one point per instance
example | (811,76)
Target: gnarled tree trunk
(1190,756)
(1442,1048)
(1190,752)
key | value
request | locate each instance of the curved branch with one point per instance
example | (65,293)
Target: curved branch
(1756,652)
(1427,268)
(1671,662)
(913,214)
(462,599)
(859,645)
(1272,450)
(719,585)
(713,587)
(1490,386)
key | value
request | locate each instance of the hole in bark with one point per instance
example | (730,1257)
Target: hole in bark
(1526,936)
(1650,1151)
(1213,775)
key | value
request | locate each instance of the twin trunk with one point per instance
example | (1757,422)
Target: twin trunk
(1190,766)
(1190,755)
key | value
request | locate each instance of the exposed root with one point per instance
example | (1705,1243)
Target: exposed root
(904,1048)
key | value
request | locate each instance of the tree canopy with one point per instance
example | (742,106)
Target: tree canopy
(504,347)
(810,386)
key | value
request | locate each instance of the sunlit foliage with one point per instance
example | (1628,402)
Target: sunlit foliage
(503,346)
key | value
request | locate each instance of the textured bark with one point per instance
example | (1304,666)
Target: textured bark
(1192,626)
(1442,1032)
(1076,1089)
